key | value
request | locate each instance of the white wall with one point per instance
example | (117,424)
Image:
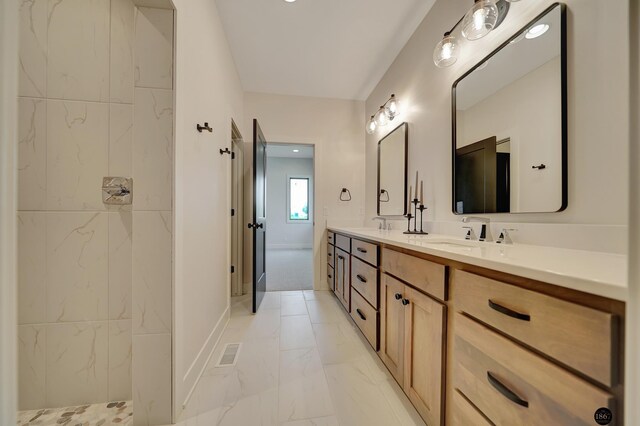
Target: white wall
(598,85)
(8,207)
(336,129)
(282,234)
(532,190)
(207,89)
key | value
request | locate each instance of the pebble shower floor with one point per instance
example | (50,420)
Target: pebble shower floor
(112,413)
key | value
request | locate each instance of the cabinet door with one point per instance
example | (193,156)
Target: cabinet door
(342,278)
(392,333)
(339,277)
(423,360)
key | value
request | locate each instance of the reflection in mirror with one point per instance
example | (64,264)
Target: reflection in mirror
(392,172)
(510,124)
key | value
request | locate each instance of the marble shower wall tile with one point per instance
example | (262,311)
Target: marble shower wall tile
(152,379)
(121,140)
(77,363)
(154,48)
(32,154)
(122,38)
(153,149)
(77,269)
(32,271)
(120,252)
(33,48)
(31,366)
(78,46)
(120,350)
(77,154)
(152,272)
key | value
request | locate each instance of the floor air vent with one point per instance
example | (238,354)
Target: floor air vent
(229,355)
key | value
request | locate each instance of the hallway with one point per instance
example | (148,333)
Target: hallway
(302,362)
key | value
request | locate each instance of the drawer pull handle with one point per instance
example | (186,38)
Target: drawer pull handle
(329,254)
(341,257)
(508,312)
(361,278)
(405,302)
(330,276)
(361,314)
(361,250)
(508,393)
(398,296)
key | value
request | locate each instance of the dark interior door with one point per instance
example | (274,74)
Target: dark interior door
(475,185)
(259,224)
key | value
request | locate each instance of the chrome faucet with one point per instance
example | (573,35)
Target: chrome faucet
(485,231)
(383,222)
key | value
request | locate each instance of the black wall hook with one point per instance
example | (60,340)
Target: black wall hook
(225,151)
(540,167)
(205,127)
(345,191)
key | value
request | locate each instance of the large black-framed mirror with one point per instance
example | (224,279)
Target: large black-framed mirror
(509,117)
(392,172)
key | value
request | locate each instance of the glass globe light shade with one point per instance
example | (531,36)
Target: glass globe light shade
(480,19)
(392,108)
(381,118)
(446,52)
(371,126)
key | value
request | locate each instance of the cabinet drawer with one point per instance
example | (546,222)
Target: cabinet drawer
(331,274)
(331,237)
(365,251)
(364,278)
(365,317)
(425,275)
(465,414)
(343,242)
(331,256)
(513,386)
(580,337)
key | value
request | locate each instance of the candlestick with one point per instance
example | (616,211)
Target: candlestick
(416,184)
(409,201)
(421,192)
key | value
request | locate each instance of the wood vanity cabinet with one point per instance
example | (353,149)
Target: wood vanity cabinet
(411,345)
(331,251)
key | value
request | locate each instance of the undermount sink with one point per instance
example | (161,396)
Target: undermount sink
(453,243)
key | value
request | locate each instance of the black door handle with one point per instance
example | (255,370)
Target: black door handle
(361,250)
(398,296)
(361,278)
(405,302)
(508,393)
(508,312)
(255,225)
(361,314)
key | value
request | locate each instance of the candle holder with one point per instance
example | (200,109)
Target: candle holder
(409,216)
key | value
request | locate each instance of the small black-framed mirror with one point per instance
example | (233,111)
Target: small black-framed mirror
(392,172)
(509,119)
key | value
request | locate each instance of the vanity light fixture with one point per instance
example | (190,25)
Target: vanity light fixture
(483,17)
(392,107)
(536,31)
(446,52)
(296,150)
(480,19)
(381,118)
(289,1)
(371,125)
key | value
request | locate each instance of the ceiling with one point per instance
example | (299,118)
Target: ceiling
(305,151)
(321,48)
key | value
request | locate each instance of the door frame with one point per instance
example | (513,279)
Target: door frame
(314,212)
(237,203)
(8,208)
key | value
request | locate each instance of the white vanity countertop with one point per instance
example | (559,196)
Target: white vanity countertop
(603,274)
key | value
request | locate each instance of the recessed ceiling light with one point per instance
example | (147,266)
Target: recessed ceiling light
(289,1)
(536,31)
(295,150)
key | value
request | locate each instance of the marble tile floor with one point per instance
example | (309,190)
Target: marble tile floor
(302,362)
(112,413)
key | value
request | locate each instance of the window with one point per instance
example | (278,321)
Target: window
(298,209)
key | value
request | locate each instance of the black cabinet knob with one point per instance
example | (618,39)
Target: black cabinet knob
(398,296)
(405,302)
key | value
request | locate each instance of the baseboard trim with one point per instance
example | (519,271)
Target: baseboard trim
(205,354)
